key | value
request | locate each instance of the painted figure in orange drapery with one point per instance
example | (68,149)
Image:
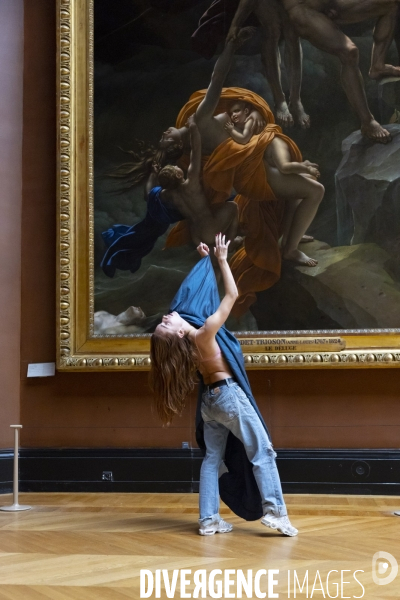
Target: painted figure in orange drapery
(247,168)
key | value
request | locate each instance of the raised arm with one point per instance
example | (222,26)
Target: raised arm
(244,9)
(194,170)
(208,105)
(215,321)
(153,179)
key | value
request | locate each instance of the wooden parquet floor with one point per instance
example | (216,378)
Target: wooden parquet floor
(93,546)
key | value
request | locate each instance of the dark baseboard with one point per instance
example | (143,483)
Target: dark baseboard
(6,471)
(340,471)
(168,470)
(136,470)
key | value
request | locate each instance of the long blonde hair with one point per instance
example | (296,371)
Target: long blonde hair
(174,363)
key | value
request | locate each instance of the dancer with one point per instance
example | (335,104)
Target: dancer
(193,337)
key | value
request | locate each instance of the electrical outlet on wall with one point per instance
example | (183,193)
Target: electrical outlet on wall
(107,476)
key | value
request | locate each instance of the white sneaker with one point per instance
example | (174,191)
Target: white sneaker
(282,524)
(220,526)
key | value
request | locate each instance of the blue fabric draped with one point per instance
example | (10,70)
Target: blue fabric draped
(127,245)
(195,301)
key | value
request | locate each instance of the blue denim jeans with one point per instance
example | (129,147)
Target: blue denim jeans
(228,409)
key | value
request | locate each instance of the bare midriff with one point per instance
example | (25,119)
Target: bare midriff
(216,370)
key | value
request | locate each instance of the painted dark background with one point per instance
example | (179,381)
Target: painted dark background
(145,71)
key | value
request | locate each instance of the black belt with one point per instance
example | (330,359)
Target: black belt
(219,383)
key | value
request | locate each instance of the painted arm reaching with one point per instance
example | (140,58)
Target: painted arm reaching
(245,8)
(211,127)
(194,170)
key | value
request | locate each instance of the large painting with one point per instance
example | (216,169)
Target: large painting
(276,122)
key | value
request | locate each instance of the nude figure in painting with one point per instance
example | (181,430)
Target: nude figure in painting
(296,183)
(257,265)
(293,181)
(276,26)
(284,176)
(187,196)
(241,125)
(127,245)
(317,21)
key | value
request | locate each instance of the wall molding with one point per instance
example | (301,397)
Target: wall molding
(177,470)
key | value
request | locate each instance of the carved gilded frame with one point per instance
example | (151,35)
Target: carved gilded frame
(77,347)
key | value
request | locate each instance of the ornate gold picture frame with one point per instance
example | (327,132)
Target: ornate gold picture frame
(78,347)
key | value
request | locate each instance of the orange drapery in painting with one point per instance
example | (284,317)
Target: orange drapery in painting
(257,265)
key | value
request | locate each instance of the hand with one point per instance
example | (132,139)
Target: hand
(221,248)
(312,168)
(203,249)
(191,122)
(155,167)
(229,126)
(259,121)
(232,34)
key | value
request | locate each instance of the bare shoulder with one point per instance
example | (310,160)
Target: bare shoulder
(191,184)
(249,123)
(203,336)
